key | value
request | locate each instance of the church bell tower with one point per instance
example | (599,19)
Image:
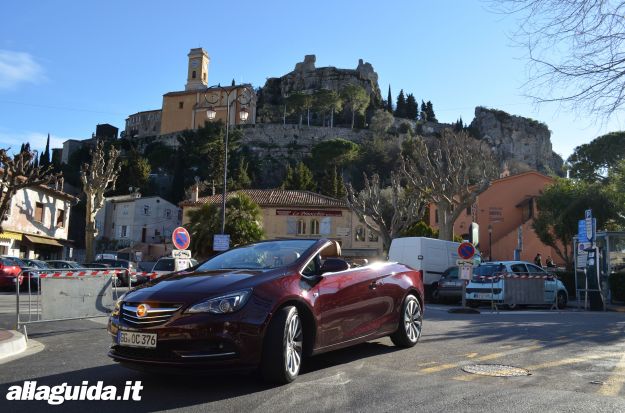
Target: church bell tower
(197,73)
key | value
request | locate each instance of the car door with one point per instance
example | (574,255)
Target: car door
(550,283)
(346,305)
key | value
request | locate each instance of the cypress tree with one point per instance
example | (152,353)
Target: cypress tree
(412,107)
(389,101)
(424,111)
(430,112)
(44,159)
(400,108)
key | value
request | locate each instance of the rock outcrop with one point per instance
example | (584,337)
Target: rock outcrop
(307,78)
(519,142)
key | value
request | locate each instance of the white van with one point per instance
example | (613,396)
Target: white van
(432,256)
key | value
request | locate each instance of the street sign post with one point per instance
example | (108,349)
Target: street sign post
(221,242)
(181,238)
(590,227)
(466,251)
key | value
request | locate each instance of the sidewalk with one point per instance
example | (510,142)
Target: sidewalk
(11,343)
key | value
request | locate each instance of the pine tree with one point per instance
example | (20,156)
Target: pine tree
(430,112)
(233,83)
(332,184)
(299,178)
(389,101)
(44,159)
(412,107)
(400,108)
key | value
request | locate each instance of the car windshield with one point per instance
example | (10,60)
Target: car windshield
(260,256)
(164,265)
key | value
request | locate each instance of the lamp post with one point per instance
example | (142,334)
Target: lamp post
(216,93)
(490,242)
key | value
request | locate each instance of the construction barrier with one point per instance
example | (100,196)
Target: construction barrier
(71,294)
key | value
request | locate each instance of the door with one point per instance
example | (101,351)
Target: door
(143,234)
(347,306)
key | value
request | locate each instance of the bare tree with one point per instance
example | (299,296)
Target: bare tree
(576,51)
(449,171)
(385,211)
(19,172)
(97,178)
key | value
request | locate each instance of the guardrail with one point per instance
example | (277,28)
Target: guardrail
(519,289)
(69,294)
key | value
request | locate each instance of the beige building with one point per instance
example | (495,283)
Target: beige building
(304,214)
(146,123)
(187,109)
(37,224)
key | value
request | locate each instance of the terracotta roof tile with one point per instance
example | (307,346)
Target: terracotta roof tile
(275,198)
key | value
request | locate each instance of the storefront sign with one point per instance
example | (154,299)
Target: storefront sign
(308,213)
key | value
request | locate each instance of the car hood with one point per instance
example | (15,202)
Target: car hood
(186,287)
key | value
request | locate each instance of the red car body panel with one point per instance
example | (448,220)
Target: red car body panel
(8,275)
(338,310)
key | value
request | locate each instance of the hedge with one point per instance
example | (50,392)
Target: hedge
(617,286)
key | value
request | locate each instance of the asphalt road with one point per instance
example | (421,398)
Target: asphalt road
(576,361)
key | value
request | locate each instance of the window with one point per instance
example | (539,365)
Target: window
(125,210)
(436,215)
(533,269)
(301,227)
(359,235)
(39,212)
(180,105)
(204,76)
(123,231)
(469,210)
(168,213)
(314,227)
(518,269)
(193,75)
(373,237)
(60,218)
(112,225)
(156,233)
(146,209)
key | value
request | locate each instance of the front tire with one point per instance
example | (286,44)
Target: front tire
(282,349)
(561,301)
(410,323)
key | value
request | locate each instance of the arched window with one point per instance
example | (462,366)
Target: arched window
(301,227)
(359,235)
(314,227)
(373,237)
(193,75)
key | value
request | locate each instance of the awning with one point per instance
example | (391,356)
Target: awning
(41,240)
(11,235)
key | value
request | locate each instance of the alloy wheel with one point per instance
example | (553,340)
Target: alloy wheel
(294,339)
(412,320)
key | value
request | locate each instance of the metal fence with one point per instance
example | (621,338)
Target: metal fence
(43,296)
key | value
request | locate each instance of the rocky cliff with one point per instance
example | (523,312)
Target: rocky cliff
(521,143)
(307,78)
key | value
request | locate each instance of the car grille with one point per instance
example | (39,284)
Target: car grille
(157,314)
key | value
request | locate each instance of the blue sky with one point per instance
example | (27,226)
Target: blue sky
(66,66)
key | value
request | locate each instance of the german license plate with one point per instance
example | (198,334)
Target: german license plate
(132,339)
(483,296)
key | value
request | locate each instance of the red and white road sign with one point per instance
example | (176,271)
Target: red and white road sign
(181,238)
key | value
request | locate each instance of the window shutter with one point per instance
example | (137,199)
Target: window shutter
(291,226)
(326,226)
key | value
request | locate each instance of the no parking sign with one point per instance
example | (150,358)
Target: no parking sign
(181,238)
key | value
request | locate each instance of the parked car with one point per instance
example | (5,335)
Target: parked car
(492,287)
(9,272)
(449,286)
(432,256)
(63,265)
(33,276)
(129,273)
(166,266)
(95,265)
(265,305)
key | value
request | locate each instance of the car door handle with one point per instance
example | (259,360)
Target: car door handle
(373,285)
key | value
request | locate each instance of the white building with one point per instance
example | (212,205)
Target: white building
(142,223)
(37,224)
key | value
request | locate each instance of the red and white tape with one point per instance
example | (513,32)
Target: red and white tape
(152,275)
(491,277)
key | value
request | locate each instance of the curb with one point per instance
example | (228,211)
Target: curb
(11,343)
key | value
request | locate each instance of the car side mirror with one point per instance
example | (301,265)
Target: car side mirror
(334,265)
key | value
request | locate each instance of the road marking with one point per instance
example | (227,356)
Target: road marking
(615,382)
(471,355)
(487,357)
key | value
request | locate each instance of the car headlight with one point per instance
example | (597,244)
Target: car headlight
(224,304)
(118,305)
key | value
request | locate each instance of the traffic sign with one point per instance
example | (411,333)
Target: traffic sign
(181,253)
(221,242)
(466,272)
(590,228)
(181,238)
(466,250)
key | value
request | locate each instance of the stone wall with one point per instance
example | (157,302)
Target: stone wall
(520,142)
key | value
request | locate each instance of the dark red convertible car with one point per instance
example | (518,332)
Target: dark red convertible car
(265,305)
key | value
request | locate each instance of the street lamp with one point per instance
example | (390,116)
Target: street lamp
(244,98)
(490,242)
